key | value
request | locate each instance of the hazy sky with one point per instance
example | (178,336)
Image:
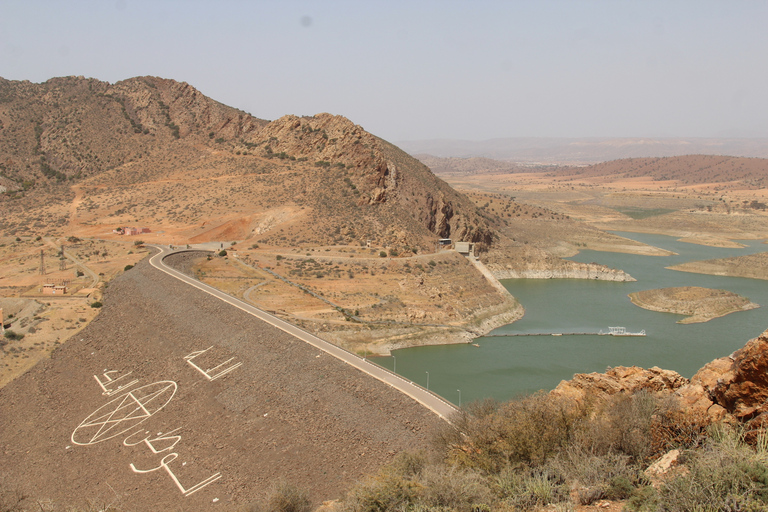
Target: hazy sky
(416,69)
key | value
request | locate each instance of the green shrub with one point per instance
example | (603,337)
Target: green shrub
(222,253)
(96,304)
(127,268)
(382,254)
(11,335)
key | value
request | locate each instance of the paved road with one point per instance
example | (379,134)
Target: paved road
(431,401)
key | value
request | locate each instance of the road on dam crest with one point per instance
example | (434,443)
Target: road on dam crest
(431,401)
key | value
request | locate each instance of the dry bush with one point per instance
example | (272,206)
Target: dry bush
(284,497)
(622,425)
(412,483)
(394,487)
(724,474)
(452,488)
(675,427)
(595,477)
(525,488)
(524,431)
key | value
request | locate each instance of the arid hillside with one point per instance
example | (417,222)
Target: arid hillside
(88,156)
(82,159)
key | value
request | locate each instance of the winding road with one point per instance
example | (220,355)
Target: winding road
(431,401)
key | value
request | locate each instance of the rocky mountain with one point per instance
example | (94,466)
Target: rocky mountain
(87,155)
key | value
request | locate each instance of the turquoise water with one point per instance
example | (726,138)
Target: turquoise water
(505,367)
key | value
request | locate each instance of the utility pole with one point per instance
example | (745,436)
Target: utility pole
(42,263)
(62,261)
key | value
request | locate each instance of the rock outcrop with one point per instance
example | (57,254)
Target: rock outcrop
(622,379)
(733,389)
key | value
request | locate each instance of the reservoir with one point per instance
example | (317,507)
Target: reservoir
(509,366)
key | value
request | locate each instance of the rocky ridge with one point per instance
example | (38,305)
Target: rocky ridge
(89,137)
(732,389)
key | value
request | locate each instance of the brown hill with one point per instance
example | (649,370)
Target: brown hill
(90,155)
(689,169)
(473,165)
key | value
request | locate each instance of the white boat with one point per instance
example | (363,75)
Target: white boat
(620,331)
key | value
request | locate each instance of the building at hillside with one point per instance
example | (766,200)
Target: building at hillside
(465,248)
(54,289)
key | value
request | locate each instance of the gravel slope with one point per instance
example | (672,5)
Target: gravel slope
(288,411)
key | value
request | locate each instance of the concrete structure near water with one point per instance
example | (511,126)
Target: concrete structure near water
(465,248)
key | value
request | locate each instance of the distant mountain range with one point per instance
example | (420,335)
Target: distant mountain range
(530,150)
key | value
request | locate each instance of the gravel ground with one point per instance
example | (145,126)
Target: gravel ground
(289,411)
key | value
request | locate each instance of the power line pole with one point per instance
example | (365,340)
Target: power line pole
(62,261)
(42,262)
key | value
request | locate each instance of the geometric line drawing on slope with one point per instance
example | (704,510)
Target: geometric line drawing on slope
(210,373)
(108,381)
(124,413)
(167,442)
(164,464)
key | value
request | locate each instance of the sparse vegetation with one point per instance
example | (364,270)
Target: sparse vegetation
(544,451)
(13,336)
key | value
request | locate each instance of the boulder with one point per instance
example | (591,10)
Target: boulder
(743,389)
(622,379)
(733,389)
(664,468)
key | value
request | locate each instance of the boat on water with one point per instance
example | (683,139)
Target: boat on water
(620,331)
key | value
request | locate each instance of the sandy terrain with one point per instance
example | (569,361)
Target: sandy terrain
(360,300)
(42,320)
(701,213)
(754,266)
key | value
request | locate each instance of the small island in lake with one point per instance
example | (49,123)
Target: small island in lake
(699,304)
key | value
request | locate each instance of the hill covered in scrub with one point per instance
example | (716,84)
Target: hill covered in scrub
(87,155)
